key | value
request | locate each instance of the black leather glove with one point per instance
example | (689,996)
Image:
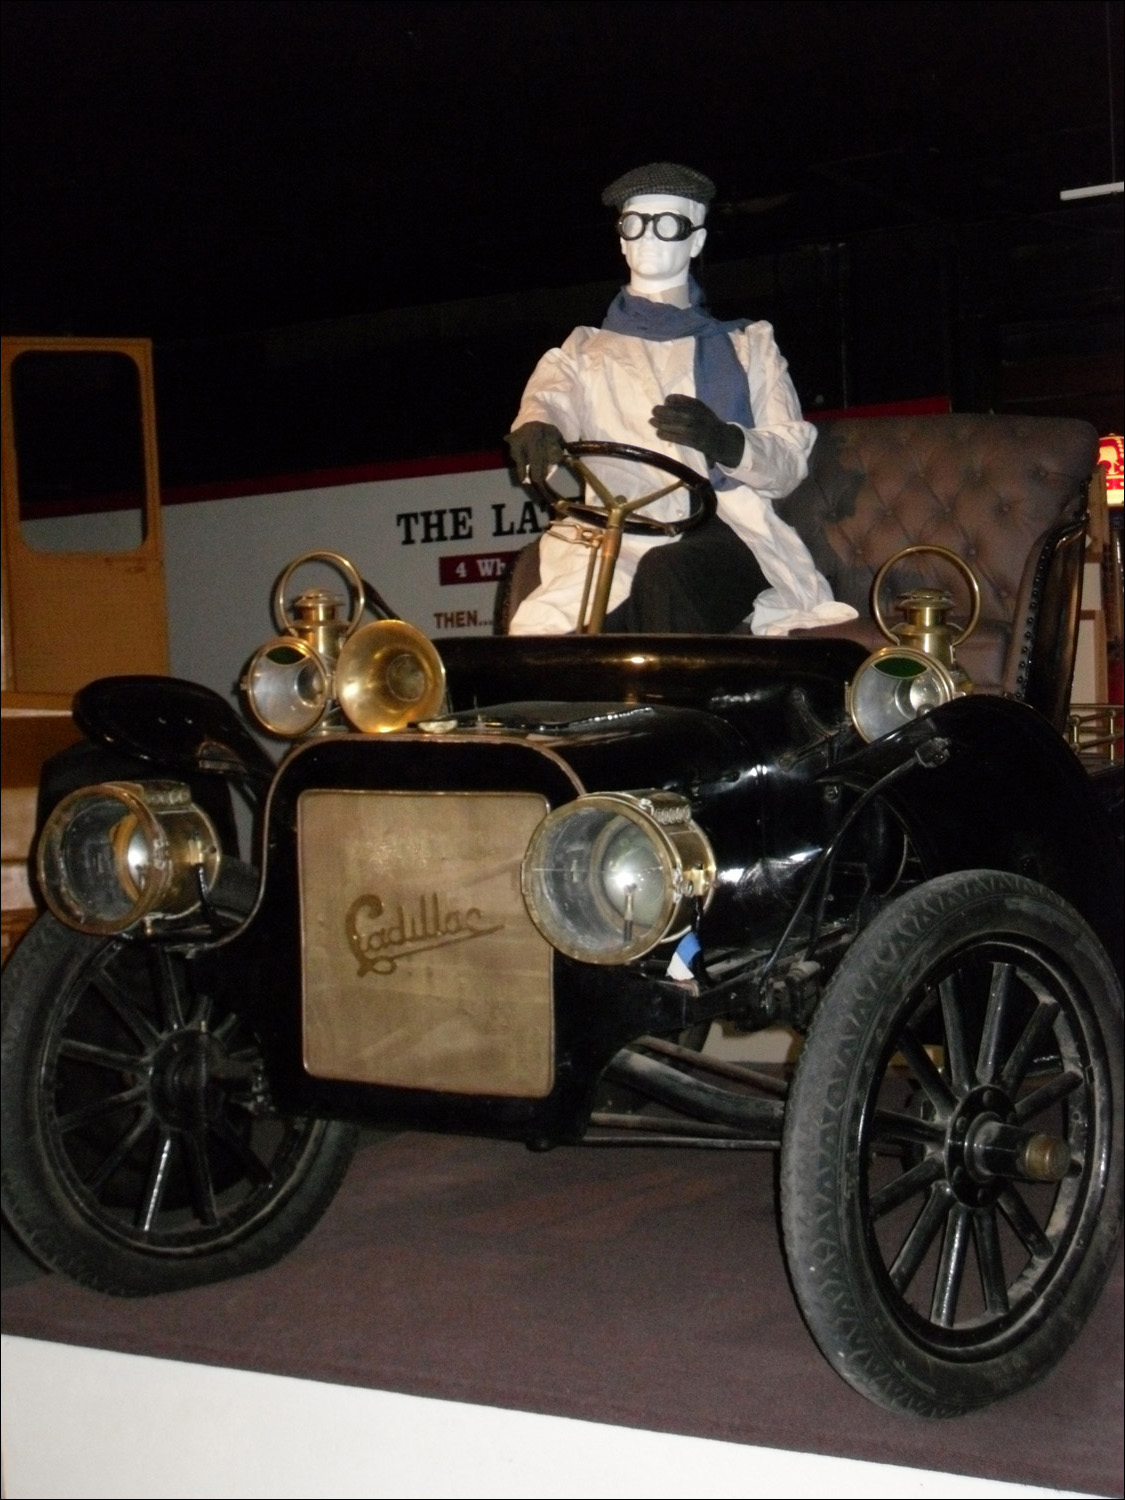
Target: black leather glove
(536,448)
(692,424)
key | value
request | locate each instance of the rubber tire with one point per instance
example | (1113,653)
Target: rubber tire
(889,1351)
(87,1235)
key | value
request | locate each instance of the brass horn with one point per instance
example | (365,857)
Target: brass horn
(388,675)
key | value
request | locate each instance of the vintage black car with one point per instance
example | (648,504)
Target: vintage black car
(513,901)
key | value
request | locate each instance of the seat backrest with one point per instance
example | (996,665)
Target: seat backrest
(1006,494)
(519,581)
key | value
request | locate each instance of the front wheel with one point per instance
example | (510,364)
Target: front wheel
(140,1150)
(951,1161)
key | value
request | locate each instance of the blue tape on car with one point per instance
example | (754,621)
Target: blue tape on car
(680,965)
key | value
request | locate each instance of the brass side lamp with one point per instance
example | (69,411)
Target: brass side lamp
(919,671)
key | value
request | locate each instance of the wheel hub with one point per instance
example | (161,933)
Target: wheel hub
(186,1091)
(985,1149)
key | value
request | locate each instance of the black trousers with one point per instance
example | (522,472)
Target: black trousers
(704,584)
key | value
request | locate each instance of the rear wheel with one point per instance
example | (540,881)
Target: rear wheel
(951,1161)
(141,1152)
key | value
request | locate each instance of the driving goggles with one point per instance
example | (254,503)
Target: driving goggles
(665,225)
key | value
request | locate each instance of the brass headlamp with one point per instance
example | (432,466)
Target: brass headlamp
(610,875)
(919,671)
(124,852)
(326,674)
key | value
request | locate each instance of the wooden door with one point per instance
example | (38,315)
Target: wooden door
(83,556)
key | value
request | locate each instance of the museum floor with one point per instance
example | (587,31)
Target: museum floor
(638,1288)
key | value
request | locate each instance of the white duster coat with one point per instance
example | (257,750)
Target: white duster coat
(603,386)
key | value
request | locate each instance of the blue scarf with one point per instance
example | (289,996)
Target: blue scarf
(720,380)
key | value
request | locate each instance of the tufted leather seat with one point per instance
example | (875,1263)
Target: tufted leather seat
(1006,494)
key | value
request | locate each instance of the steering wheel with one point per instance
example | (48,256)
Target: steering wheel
(615,509)
(613,515)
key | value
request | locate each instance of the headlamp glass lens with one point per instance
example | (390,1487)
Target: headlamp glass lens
(104,860)
(626,873)
(597,883)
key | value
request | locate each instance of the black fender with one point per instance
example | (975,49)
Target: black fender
(142,727)
(1003,792)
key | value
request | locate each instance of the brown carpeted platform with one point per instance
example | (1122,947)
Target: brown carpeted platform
(639,1287)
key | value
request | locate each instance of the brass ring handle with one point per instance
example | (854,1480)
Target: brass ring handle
(342,565)
(958,562)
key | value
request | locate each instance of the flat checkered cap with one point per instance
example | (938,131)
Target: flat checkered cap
(659,177)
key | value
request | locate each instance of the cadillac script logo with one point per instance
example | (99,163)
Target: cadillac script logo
(380,938)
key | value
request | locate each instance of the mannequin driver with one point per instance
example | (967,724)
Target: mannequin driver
(661,373)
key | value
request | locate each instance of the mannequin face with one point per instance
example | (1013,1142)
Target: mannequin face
(656,265)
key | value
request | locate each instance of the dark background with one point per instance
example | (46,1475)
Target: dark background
(352,228)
